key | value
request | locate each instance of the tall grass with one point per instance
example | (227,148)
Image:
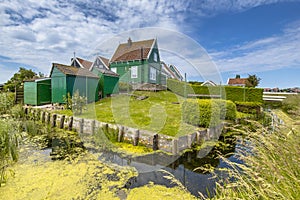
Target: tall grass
(8,146)
(6,102)
(270,171)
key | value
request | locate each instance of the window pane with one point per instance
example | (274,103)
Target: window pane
(152,74)
(134,72)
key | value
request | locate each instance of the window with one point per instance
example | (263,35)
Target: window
(134,72)
(152,74)
(101,66)
(155,57)
(114,69)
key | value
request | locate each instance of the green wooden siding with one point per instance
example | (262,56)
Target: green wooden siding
(30,93)
(58,86)
(107,84)
(63,84)
(37,93)
(123,69)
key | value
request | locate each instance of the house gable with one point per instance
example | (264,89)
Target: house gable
(81,63)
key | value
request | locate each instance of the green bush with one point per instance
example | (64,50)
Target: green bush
(204,113)
(179,87)
(78,103)
(6,102)
(232,93)
(17,112)
(248,107)
(227,109)
(291,105)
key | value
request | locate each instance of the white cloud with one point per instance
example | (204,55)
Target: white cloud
(262,55)
(37,33)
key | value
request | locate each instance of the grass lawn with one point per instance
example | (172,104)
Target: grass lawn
(160,112)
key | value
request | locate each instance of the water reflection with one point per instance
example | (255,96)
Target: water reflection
(151,167)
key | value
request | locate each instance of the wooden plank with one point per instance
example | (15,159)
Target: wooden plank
(204,95)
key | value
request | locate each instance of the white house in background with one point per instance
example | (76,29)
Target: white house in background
(170,71)
(209,83)
(81,63)
(100,63)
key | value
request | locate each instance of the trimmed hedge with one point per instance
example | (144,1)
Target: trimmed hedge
(232,93)
(204,113)
(248,107)
(227,109)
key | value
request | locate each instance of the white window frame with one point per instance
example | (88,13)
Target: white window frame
(134,71)
(152,74)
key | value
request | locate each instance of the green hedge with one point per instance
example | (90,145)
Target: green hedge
(248,107)
(232,93)
(204,113)
(227,109)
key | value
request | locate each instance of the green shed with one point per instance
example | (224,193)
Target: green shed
(109,81)
(37,92)
(68,79)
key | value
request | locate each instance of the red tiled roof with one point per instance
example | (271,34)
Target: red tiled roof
(126,52)
(85,63)
(237,81)
(70,70)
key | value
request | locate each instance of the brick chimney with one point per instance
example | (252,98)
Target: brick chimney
(129,42)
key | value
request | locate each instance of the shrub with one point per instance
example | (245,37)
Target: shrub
(6,102)
(232,93)
(68,101)
(17,112)
(227,109)
(78,103)
(248,107)
(179,87)
(204,113)
(291,105)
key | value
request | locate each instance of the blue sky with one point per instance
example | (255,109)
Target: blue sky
(231,37)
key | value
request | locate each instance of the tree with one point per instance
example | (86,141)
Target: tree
(252,81)
(17,79)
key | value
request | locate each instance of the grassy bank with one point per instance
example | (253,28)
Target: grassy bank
(272,170)
(159,112)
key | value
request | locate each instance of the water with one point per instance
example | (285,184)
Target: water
(154,168)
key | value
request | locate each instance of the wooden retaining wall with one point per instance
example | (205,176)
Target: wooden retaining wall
(135,136)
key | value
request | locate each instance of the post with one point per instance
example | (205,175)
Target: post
(70,126)
(121,134)
(136,137)
(155,142)
(175,147)
(189,141)
(54,116)
(81,126)
(43,116)
(48,118)
(62,120)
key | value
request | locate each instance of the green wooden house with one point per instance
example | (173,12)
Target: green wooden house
(137,62)
(67,79)
(109,80)
(37,92)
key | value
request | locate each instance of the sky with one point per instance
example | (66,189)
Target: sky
(207,40)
